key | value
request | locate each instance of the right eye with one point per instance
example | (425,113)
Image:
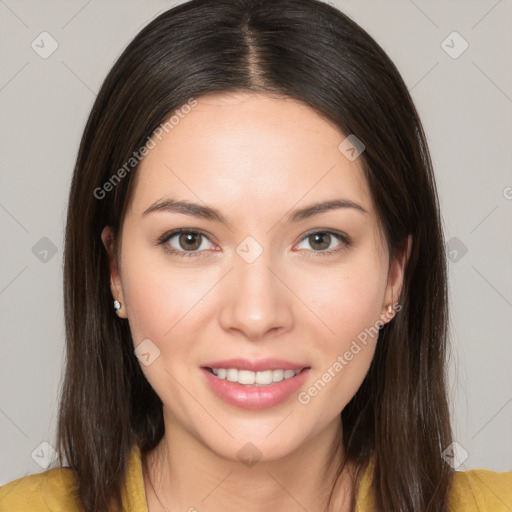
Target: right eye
(184,242)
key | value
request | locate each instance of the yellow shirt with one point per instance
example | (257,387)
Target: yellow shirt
(476,490)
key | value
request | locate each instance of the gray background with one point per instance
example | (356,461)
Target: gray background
(465,104)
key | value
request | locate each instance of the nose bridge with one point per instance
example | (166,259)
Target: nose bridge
(257,301)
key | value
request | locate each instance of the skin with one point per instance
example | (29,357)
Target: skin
(254,158)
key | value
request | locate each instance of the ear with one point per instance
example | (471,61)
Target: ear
(396,279)
(116,288)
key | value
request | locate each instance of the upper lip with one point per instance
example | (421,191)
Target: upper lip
(255,365)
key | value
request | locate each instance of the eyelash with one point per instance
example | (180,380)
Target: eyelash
(341,237)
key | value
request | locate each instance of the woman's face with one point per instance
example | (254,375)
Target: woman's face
(258,275)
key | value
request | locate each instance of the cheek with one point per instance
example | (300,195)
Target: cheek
(349,305)
(347,299)
(160,300)
(163,305)
(344,357)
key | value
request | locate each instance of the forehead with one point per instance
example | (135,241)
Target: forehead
(249,151)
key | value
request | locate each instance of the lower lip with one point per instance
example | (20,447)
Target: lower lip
(254,397)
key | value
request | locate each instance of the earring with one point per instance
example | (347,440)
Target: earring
(117,304)
(390,309)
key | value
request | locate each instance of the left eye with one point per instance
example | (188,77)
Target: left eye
(322,241)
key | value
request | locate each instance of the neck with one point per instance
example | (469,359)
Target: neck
(187,475)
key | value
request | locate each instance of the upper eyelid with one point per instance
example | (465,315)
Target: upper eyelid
(171,234)
(343,238)
(167,236)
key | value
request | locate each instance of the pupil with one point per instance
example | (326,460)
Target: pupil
(318,239)
(188,238)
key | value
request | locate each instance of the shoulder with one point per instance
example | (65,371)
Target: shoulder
(480,490)
(51,490)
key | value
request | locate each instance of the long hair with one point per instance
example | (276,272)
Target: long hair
(312,52)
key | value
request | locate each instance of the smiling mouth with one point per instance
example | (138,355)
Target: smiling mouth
(250,378)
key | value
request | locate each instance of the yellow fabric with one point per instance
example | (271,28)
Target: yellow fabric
(476,490)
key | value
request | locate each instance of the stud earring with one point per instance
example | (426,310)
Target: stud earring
(390,309)
(117,304)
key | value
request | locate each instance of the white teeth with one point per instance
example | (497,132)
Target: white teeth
(264,377)
(232,375)
(247,377)
(289,373)
(277,375)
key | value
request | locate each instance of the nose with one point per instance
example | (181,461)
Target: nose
(255,302)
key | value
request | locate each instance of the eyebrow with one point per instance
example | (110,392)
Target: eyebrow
(209,213)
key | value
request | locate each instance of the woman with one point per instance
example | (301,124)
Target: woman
(255,281)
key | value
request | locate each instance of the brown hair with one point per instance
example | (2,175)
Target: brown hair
(310,51)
